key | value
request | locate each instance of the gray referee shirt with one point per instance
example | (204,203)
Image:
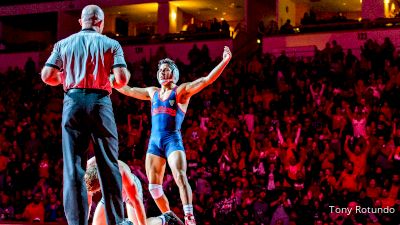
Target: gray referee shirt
(86,59)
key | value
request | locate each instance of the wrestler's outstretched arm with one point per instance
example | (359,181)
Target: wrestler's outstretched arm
(189,89)
(133,194)
(139,214)
(136,92)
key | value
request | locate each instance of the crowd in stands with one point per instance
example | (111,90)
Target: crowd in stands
(200,30)
(213,26)
(310,22)
(310,18)
(275,140)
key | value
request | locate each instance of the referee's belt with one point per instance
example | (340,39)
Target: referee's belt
(87,91)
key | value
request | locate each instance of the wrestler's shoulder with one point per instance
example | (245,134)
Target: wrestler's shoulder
(151,90)
(181,87)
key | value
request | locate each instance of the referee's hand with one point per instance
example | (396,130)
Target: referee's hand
(112,80)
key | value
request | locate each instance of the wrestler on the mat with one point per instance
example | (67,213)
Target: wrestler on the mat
(132,194)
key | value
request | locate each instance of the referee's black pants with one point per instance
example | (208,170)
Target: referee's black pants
(88,113)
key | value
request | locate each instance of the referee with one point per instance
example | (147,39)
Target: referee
(82,62)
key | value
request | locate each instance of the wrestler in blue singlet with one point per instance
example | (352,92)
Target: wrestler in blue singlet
(166,121)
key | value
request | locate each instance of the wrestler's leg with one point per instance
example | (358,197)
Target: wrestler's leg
(155,169)
(177,163)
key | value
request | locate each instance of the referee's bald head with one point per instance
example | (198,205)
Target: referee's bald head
(92,16)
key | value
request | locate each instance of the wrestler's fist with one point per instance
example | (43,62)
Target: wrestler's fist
(227,55)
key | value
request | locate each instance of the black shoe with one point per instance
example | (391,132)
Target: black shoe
(126,222)
(172,219)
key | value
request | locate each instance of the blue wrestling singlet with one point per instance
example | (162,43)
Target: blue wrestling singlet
(166,121)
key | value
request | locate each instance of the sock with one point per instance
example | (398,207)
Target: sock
(188,209)
(162,219)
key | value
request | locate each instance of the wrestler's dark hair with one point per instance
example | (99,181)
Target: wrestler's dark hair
(92,179)
(171,65)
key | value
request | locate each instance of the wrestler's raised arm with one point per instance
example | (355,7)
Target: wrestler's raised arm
(190,88)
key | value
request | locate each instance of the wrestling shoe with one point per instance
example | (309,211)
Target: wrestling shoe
(126,222)
(172,219)
(189,220)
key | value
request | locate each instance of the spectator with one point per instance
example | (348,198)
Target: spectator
(339,17)
(306,20)
(287,28)
(317,93)
(53,209)
(280,206)
(203,28)
(215,25)
(225,209)
(34,211)
(359,157)
(261,30)
(224,26)
(261,208)
(272,27)
(6,208)
(348,180)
